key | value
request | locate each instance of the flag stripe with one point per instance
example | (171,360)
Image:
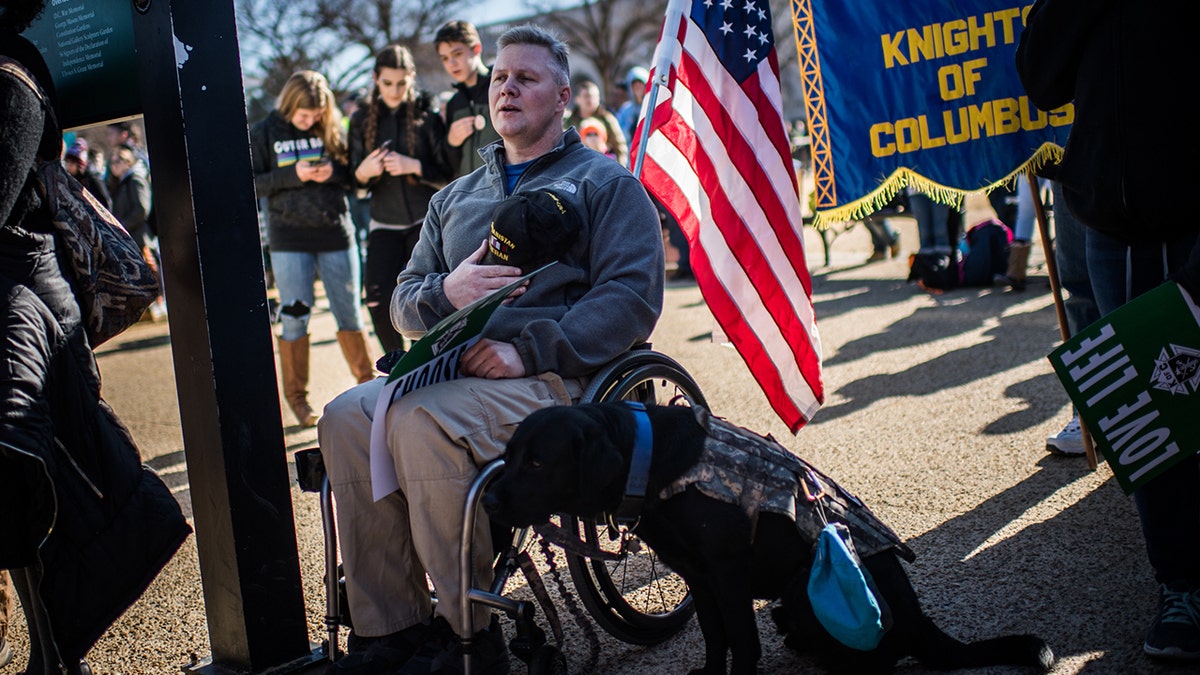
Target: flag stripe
(735,212)
(718,158)
(783,214)
(730,292)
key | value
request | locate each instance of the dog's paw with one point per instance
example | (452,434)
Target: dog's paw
(1044,655)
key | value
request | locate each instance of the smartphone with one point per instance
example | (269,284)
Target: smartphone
(383,147)
(318,162)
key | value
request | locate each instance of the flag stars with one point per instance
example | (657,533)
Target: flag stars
(750,32)
(749,7)
(726,4)
(750,56)
(762,14)
(708,3)
(763,39)
(726,28)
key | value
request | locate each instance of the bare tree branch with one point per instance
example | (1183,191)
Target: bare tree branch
(609,33)
(336,37)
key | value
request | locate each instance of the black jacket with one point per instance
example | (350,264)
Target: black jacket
(403,200)
(131,202)
(1131,149)
(301,216)
(471,101)
(75,496)
(94,182)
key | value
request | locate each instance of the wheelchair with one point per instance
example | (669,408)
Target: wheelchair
(624,588)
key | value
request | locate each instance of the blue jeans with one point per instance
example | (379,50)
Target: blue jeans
(937,224)
(883,235)
(1026,214)
(1169,505)
(295,276)
(1070,253)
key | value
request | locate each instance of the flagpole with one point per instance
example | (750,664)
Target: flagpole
(1048,247)
(663,58)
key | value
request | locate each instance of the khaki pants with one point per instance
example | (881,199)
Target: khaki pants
(439,436)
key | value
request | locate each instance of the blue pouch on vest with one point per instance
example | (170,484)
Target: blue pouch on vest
(842,593)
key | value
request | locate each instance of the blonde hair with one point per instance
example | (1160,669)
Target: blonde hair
(309,90)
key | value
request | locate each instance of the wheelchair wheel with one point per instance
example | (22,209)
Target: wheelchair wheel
(636,599)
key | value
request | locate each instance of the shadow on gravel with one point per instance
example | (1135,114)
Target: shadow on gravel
(135,345)
(1069,579)
(1023,335)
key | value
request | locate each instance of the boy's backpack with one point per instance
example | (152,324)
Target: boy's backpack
(988,242)
(112,282)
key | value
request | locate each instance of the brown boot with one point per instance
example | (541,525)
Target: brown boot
(1018,263)
(293,361)
(354,349)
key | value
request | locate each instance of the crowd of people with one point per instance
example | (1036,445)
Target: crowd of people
(430,178)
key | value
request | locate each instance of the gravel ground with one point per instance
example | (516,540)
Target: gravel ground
(936,412)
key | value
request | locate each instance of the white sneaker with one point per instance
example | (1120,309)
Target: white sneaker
(1069,441)
(158,311)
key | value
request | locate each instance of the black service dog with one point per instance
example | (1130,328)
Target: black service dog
(575,460)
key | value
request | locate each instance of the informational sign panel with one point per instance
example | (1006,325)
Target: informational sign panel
(89,47)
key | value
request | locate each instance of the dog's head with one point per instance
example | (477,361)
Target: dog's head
(565,459)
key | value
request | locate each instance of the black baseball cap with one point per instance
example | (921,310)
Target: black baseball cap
(530,229)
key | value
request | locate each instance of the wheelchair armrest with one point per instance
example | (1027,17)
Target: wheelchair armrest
(310,469)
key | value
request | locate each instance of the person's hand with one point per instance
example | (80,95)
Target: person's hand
(493,360)
(470,280)
(460,130)
(371,166)
(314,173)
(397,164)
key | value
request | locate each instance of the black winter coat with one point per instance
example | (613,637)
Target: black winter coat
(1128,68)
(75,496)
(472,101)
(403,200)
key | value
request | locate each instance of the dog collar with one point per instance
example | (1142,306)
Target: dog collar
(643,443)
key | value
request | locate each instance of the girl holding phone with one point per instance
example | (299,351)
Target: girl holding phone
(393,149)
(300,169)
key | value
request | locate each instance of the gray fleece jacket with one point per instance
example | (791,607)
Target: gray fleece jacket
(604,295)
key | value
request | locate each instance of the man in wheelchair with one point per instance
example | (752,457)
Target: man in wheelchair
(538,350)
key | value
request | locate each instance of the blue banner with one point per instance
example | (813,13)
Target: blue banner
(922,93)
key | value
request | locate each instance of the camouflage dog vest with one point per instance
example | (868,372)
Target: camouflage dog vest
(758,474)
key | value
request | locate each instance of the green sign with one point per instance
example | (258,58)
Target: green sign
(89,47)
(1134,376)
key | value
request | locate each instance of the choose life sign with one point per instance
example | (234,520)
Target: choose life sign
(1134,376)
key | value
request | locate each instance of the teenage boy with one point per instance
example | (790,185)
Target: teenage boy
(468,122)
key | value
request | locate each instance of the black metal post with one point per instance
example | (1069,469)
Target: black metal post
(197,135)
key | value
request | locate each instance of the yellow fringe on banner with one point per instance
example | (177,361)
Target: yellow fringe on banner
(904,177)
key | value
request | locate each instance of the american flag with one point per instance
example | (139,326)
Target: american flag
(718,158)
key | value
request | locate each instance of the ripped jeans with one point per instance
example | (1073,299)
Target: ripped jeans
(295,277)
